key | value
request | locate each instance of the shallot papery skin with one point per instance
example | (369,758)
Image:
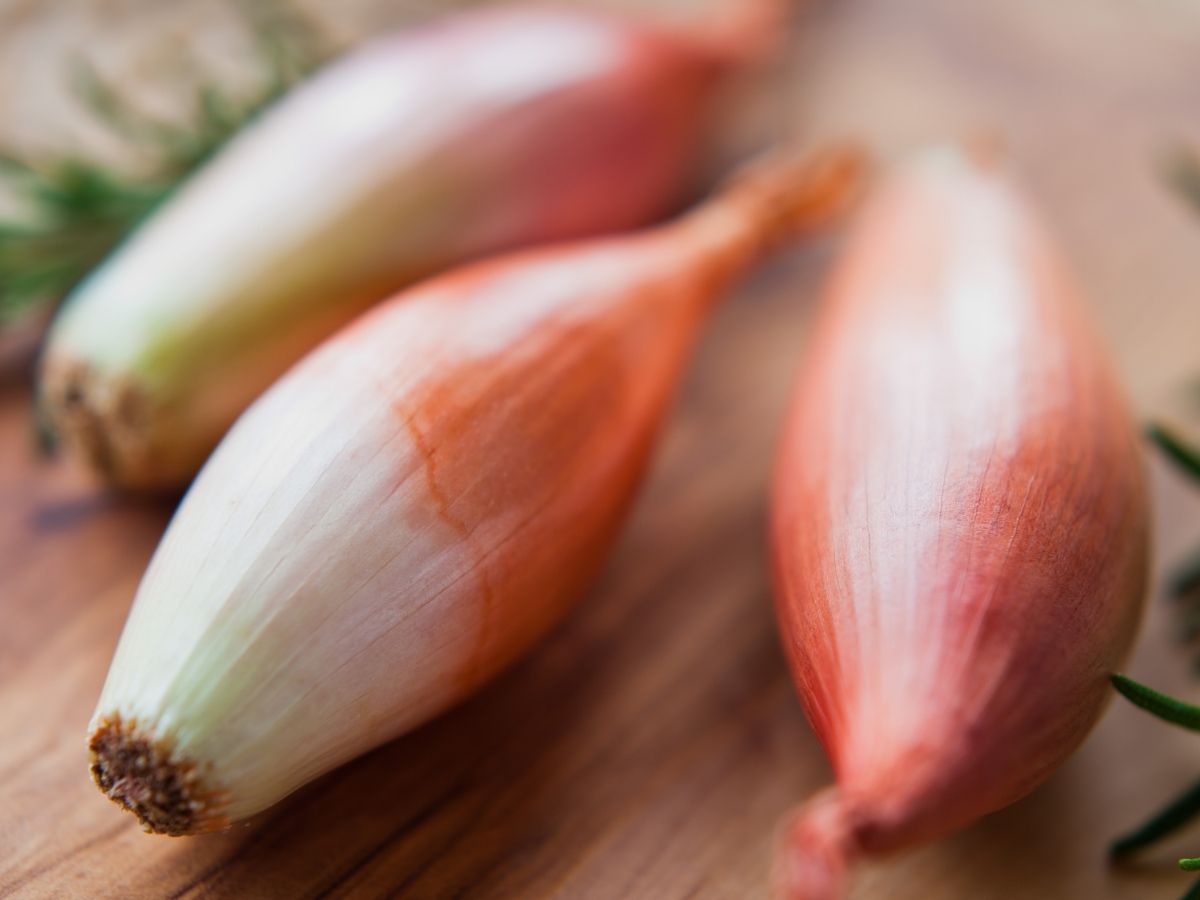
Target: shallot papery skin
(483,131)
(413,505)
(959,520)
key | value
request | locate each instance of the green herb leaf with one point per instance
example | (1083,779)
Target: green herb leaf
(1184,456)
(1171,817)
(1166,708)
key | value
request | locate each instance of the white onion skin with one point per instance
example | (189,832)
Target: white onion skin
(959,520)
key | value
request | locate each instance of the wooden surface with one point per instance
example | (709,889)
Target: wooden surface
(648,747)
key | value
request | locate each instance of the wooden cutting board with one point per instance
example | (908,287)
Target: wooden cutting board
(648,748)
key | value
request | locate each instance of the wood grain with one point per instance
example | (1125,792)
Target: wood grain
(648,747)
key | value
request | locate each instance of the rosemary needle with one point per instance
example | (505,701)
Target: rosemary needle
(1166,708)
(1184,456)
(1174,815)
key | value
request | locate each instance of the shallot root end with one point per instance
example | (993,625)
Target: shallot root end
(814,851)
(141,773)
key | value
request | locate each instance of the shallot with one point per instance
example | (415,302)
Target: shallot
(483,131)
(959,520)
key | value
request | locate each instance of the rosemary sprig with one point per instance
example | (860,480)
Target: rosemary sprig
(78,210)
(1182,172)
(1182,809)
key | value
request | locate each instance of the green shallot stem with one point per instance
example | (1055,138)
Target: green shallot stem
(1191,864)
(1166,708)
(1187,458)
(1171,817)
